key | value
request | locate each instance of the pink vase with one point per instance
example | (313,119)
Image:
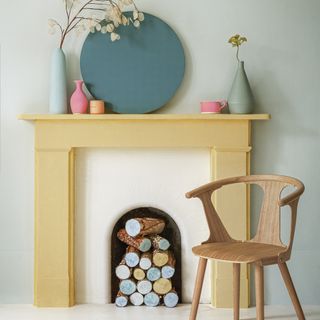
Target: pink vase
(79,101)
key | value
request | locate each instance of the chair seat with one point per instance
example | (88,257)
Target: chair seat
(246,252)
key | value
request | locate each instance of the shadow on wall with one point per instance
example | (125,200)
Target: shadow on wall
(186,82)
(279,147)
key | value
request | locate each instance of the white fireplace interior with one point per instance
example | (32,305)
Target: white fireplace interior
(111,182)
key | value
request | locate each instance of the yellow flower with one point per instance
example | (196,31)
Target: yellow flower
(237,40)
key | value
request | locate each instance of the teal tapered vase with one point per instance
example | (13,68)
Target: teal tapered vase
(240,97)
(58,83)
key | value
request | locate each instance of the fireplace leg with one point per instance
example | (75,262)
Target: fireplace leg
(198,287)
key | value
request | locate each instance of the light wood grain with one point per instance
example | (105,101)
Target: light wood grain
(292,291)
(198,287)
(236,291)
(259,283)
(162,286)
(264,248)
(240,252)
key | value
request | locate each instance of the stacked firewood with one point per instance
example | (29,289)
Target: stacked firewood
(147,267)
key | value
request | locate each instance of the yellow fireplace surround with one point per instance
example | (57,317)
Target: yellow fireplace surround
(57,136)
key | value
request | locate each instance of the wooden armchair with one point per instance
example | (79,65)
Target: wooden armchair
(265,248)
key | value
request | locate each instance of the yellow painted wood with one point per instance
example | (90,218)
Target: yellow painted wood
(54,198)
(141,133)
(120,117)
(230,162)
(56,136)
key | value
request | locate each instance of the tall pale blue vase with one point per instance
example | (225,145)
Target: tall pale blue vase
(240,97)
(58,83)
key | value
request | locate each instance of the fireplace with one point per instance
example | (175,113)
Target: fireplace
(171,232)
(228,137)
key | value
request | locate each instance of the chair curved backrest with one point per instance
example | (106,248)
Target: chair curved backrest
(268,230)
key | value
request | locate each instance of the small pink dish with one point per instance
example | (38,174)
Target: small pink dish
(212,106)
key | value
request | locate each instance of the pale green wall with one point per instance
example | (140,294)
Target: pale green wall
(282,62)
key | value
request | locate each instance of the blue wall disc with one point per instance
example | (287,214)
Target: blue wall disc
(139,73)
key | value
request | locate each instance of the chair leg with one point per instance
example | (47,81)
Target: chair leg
(259,282)
(236,291)
(292,292)
(198,287)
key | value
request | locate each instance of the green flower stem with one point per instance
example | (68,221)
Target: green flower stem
(237,55)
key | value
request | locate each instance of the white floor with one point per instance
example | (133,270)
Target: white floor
(106,312)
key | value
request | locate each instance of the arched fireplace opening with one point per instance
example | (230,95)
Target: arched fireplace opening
(171,232)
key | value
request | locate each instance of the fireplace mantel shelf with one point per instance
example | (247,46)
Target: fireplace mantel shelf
(57,137)
(49,117)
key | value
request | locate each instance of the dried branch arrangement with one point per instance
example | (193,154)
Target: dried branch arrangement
(104,16)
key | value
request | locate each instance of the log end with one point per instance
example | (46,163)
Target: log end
(123,272)
(164,244)
(153,274)
(132,259)
(139,274)
(167,272)
(171,299)
(145,245)
(151,299)
(144,286)
(136,299)
(160,258)
(127,287)
(133,227)
(121,301)
(162,286)
(145,263)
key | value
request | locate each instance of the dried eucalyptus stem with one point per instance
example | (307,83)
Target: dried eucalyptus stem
(82,15)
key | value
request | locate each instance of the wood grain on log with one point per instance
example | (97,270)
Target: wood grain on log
(159,242)
(127,287)
(151,299)
(136,299)
(132,256)
(144,286)
(168,270)
(123,271)
(153,274)
(162,286)
(145,261)
(140,243)
(171,299)
(121,300)
(138,274)
(160,258)
(144,226)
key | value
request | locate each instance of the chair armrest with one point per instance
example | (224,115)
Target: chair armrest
(284,256)
(218,232)
(209,187)
(293,196)
(212,186)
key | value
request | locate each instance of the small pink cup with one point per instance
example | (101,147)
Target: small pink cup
(213,106)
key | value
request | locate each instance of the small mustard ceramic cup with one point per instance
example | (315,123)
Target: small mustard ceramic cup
(97,107)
